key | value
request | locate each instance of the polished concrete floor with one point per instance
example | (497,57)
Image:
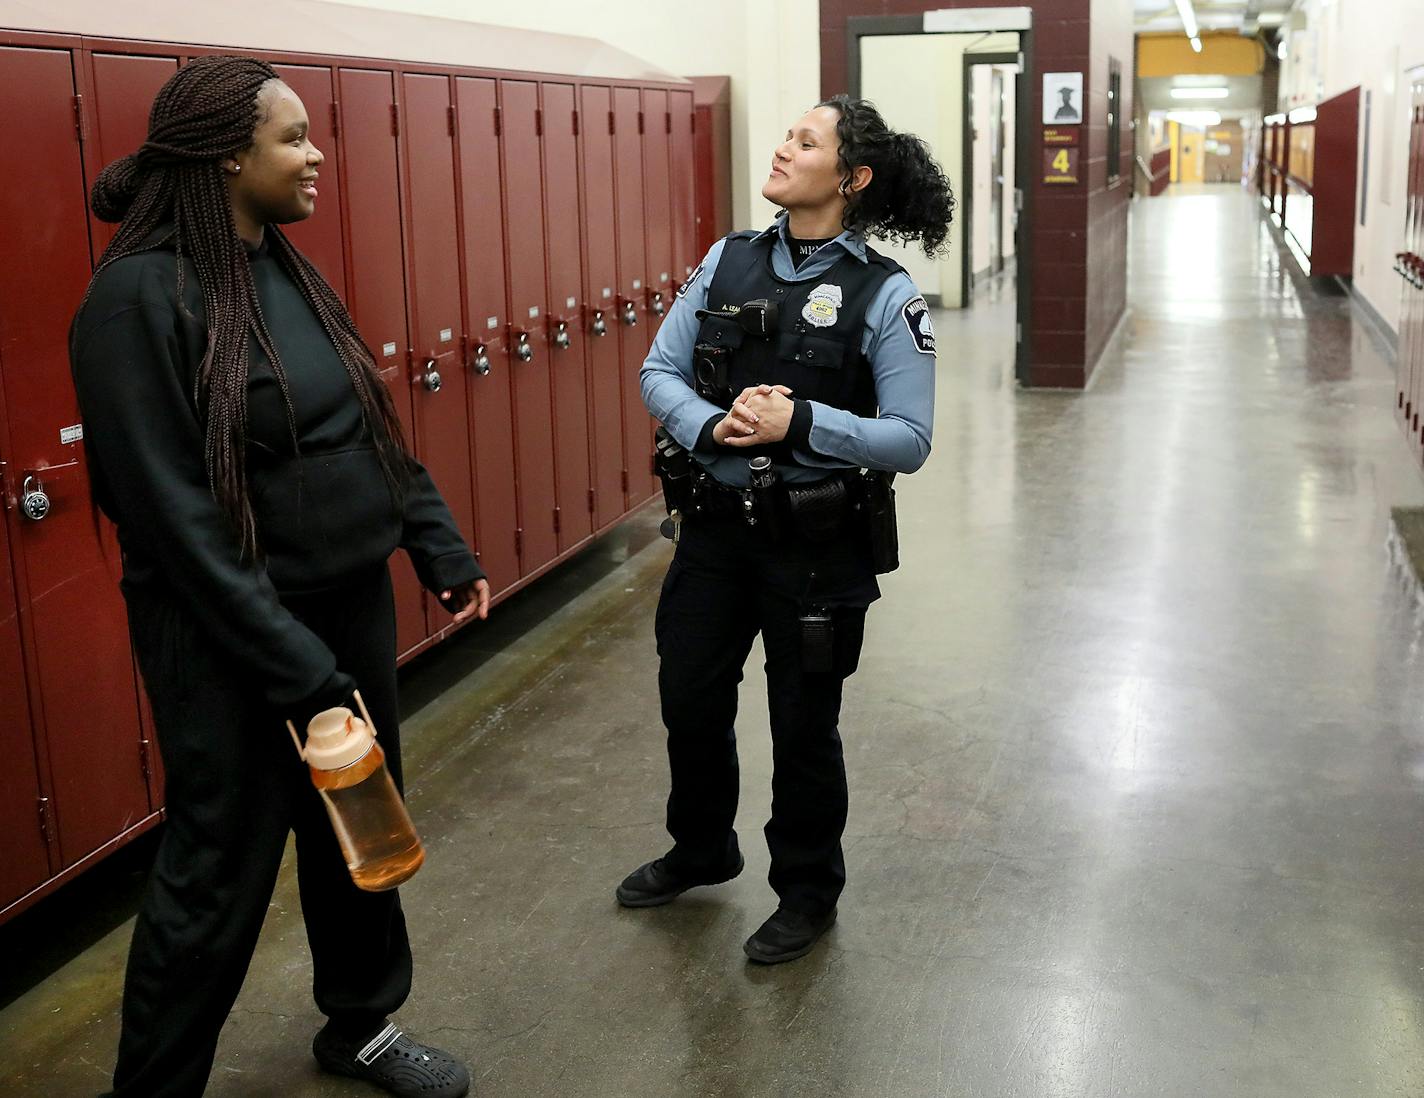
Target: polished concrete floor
(1136,755)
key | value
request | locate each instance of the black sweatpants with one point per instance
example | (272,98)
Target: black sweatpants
(726,583)
(235,788)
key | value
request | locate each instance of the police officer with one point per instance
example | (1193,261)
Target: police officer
(793,377)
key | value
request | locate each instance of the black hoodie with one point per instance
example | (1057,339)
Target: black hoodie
(324,512)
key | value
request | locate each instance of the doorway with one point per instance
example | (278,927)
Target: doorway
(961,82)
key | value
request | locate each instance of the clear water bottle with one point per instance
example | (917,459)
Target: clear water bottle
(372,825)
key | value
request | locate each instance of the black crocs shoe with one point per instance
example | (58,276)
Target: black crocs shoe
(653,883)
(392,1061)
(786,936)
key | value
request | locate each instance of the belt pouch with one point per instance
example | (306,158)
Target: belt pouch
(818,510)
(674,469)
(879,504)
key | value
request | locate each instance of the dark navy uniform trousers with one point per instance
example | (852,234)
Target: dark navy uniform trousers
(726,583)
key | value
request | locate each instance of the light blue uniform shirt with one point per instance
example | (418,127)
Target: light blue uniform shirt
(897,439)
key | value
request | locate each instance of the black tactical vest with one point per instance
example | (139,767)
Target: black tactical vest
(815,350)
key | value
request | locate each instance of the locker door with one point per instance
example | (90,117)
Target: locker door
(528,315)
(683,167)
(441,410)
(491,401)
(376,291)
(80,673)
(319,236)
(657,201)
(601,317)
(122,90)
(1412,320)
(632,291)
(566,343)
(26,862)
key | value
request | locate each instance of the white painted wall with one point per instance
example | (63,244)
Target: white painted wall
(1335,45)
(917,82)
(770,49)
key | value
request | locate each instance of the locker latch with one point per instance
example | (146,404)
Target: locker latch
(523,350)
(562,339)
(431,377)
(599,326)
(481,363)
(655,302)
(629,310)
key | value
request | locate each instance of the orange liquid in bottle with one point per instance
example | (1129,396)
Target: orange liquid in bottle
(377,839)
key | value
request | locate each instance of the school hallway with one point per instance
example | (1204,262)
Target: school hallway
(1136,756)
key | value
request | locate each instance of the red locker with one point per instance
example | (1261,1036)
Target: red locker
(566,339)
(376,292)
(632,291)
(442,426)
(657,202)
(528,316)
(683,168)
(600,242)
(80,675)
(122,87)
(491,401)
(319,237)
(27,858)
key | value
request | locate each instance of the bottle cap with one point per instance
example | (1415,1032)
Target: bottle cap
(336,737)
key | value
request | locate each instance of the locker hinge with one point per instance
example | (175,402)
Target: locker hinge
(143,760)
(498,122)
(335,119)
(640,121)
(576,124)
(591,497)
(625,480)
(539,121)
(450,119)
(44,820)
(612,126)
(519,542)
(558,526)
(79,118)
(692,126)
(667,122)
(395,121)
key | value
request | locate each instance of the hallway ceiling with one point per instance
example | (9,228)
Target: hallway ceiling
(1246,16)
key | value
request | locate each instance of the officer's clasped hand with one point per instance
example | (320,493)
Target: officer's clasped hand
(761,414)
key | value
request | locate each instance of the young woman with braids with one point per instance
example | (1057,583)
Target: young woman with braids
(242,442)
(802,345)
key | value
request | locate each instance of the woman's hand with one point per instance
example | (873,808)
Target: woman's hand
(467,601)
(762,413)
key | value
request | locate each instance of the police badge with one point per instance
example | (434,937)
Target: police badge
(821,306)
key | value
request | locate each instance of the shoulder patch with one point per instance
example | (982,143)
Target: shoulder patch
(917,320)
(693,277)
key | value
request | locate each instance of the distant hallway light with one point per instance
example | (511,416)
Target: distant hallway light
(1189,22)
(1194,118)
(1200,93)
(1301,115)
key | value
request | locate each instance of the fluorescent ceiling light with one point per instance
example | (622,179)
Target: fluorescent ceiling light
(1282,51)
(1189,19)
(1196,43)
(1301,114)
(1194,118)
(1271,18)
(1200,93)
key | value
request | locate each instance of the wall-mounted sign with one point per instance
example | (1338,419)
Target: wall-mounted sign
(1060,165)
(1060,135)
(1062,98)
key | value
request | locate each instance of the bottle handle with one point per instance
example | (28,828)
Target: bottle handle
(364,715)
(301,751)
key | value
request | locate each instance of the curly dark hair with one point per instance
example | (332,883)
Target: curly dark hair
(209,109)
(908,197)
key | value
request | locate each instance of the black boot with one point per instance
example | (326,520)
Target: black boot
(786,936)
(654,883)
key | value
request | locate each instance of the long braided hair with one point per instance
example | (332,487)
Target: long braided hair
(208,110)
